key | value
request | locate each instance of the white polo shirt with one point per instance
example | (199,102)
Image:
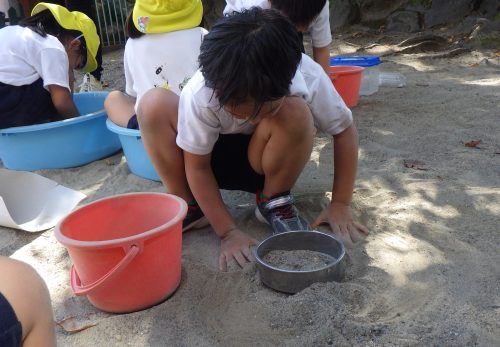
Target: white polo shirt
(165,60)
(201,119)
(26,56)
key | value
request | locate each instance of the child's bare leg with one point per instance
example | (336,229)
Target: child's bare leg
(119,107)
(28,295)
(282,145)
(157,116)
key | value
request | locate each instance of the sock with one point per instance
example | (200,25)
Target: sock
(260,196)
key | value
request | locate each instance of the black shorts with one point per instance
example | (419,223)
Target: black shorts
(26,105)
(11,333)
(230,164)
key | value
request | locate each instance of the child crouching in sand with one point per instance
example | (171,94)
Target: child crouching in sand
(246,121)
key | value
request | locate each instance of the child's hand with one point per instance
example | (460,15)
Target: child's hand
(339,217)
(235,245)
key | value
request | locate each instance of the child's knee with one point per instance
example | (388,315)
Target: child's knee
(111,99)
(157,104)
(295,118)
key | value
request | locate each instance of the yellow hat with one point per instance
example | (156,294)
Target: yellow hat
(161,16)
(75,21)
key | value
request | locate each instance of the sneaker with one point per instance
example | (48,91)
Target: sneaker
(195,219)
(280,213)
(89,84)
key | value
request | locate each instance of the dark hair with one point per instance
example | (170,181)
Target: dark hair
(300,12)
(253,54)
(130,29)
(43,23)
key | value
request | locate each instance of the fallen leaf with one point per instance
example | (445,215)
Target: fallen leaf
(497,54)
(415,164)
(74,324)
(472,144)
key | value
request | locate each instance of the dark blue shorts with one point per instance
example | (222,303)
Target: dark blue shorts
(11,333)
(132,123)
(26,105)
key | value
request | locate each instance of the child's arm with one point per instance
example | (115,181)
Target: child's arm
(63,102)
(235,244)
(322,57)
(338,215)
(71,76)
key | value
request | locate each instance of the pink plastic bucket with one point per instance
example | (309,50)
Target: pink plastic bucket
(125,249)
(347,81)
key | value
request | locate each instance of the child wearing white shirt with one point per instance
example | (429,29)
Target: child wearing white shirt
(310,15)
(246,121)
(161,51)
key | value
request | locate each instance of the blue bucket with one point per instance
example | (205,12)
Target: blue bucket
(62,144)
(137,159)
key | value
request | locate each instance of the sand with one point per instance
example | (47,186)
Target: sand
(298,260)
(427,275)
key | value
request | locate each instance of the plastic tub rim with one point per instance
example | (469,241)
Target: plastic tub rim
(119,242)
(121,130)
(353,70)
(55,124)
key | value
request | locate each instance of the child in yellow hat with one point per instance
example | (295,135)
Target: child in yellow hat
(162,51)
(37,59)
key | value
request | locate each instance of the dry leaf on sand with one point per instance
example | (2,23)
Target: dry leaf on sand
(415,164)
(75,324)
(473,144)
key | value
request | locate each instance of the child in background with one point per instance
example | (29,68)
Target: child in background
(26,317)
(247,121)
(92,81)
(162,51)
(310,15)
(37,58)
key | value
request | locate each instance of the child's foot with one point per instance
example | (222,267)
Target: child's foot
(280,213)
(195,219)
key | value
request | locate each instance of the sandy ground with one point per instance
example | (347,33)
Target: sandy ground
(427,275)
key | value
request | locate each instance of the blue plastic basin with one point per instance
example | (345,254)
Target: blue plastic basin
(62,144)
(137,159)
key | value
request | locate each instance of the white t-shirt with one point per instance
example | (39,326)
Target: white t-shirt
(319,29)
(165,60)
(201,119)
(26,56)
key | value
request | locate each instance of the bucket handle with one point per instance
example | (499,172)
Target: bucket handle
(76,284)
